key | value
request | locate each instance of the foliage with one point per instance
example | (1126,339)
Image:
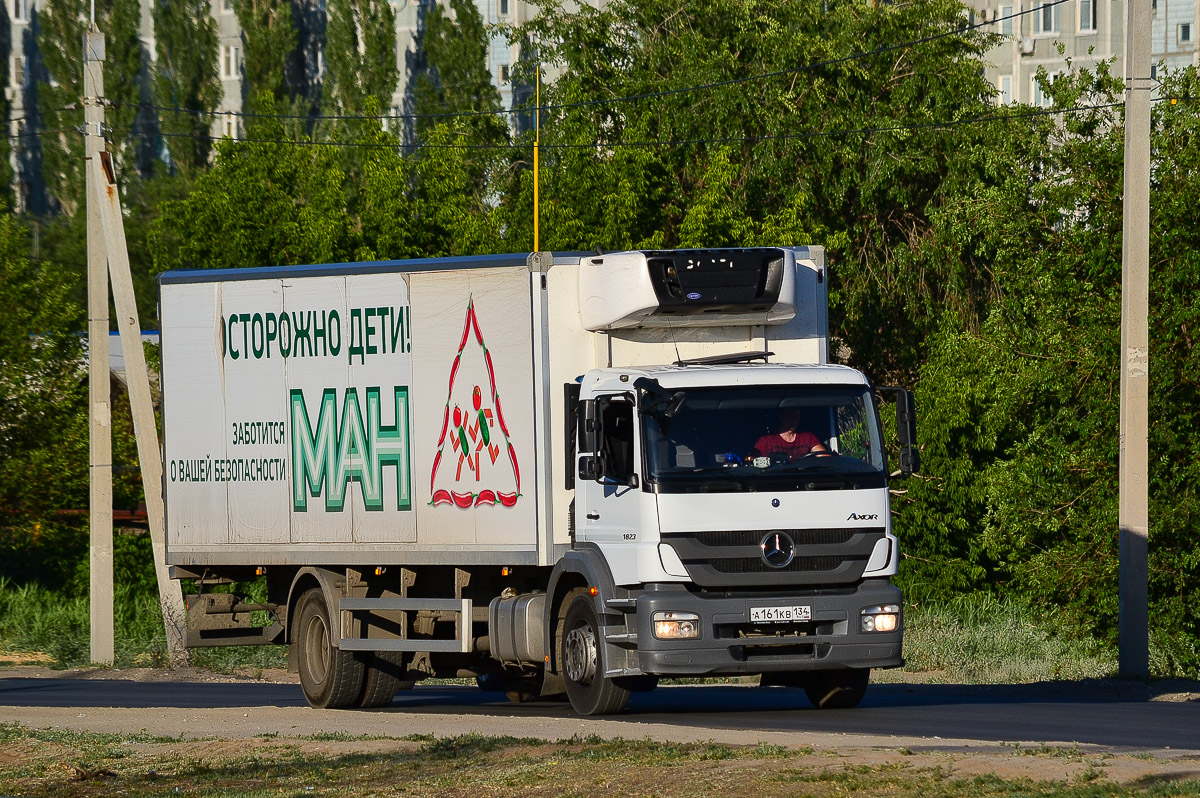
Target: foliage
(269,38)
(788,139)
(975,251)
(360,51)
(186,82)
(451,77)
(59,81)
(43,395)
(1020,413)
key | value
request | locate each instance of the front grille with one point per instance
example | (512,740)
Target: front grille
(823,557)
(752,565)
(753,537)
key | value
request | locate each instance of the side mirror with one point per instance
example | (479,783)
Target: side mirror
(589,426)
(591,468)
(906,429)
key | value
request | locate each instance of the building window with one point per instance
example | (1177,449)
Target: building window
(1087,16)
(226,6)
(503,74)
(1006,20)
(1043,98)
(229,61)
(1005,94)
(1045,19)
(503,8)
(18,72)
(20,10)
(393,119)
(1183,33)
(230,126)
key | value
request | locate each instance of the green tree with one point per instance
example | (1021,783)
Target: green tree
(270,38)
(360,50)
(782,118)
(452,75)
(61,27)
(262,204)
(43,404)
(186,81)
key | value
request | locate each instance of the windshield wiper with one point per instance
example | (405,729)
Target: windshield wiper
(719,486)
(829,482)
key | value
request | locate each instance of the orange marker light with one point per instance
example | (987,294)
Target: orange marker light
(593,591)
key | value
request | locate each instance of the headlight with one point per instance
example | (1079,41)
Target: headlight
(885,618)
(676,625)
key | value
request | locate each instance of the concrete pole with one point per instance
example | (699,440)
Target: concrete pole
(100,515)
(1134,514)
(105,198)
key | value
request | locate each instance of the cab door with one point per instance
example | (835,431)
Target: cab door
(609,487)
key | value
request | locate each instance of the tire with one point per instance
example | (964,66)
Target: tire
(331,678)
(581,653)
(783,679)
(841,689)
(382,679)
(637,684)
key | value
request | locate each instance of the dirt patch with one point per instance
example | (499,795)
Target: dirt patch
(12,659)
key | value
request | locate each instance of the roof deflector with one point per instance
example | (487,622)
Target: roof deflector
(724,360)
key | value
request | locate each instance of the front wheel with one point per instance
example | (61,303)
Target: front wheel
(840,689)
(331,678)
(582,658)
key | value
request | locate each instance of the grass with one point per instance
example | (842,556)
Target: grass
(58,764)
(979,639)
(975,639)
(34,619)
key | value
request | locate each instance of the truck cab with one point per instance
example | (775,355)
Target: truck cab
(744,552)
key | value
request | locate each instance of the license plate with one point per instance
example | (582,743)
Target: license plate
(780,614)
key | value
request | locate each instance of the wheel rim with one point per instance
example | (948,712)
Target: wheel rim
(581,655)
(316,648)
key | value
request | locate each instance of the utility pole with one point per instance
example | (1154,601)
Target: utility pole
(1134,513)
(100,516)
(104,206)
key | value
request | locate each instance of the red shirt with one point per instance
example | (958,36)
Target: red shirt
(770,444)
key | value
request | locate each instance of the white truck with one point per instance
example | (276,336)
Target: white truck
(552,472)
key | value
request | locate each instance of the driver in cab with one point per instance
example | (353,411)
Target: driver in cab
(788,440)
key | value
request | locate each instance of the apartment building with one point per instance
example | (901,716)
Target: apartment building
(1039,34)
(22,45)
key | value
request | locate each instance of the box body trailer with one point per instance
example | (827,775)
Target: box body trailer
(547,471)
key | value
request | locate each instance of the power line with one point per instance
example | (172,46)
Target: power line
(806,67)
(626,98)
(846,132)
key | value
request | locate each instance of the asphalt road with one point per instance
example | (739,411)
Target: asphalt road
(1115,715)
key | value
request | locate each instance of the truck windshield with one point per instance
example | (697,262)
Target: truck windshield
(785,437)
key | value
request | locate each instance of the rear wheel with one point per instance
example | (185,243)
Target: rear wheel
(583,665)
(383,678)
(840,689)
(331,678)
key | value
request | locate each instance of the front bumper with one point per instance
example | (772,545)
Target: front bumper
(729,644)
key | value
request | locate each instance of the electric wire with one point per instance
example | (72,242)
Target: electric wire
(673,143)
(611,100)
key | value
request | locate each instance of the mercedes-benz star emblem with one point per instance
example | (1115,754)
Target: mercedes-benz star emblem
(778,549)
